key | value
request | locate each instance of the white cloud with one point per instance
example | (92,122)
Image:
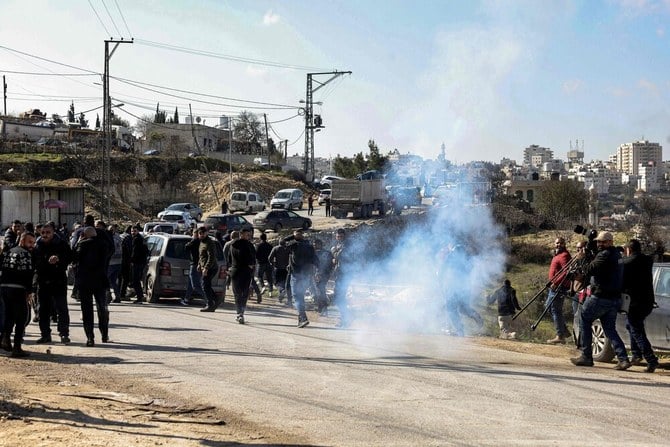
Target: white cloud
(255,71)
(572,86)
(648,86)
(270,18)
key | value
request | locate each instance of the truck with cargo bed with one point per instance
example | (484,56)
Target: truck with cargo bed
(359,197)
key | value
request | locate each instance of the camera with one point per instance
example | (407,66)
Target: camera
(591,235)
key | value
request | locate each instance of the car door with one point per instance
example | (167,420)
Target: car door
(657,324)
(293,219)
(280,216)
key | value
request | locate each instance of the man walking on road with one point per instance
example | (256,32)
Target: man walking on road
(603,303)
(242,262)
(560,287)
(194,277)
(52,256)
(208,266)
(264,273)
(303,262)
(638,282)
(138,260)
(279,259)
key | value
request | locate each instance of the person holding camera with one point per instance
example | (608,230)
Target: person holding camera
(560,286)
(602,301)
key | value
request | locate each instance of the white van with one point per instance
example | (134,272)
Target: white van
(287,199)
(249,202)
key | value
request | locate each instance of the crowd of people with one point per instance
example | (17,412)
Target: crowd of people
(103,264)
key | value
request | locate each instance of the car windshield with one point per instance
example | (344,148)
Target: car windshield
(176,206)
(283,195)
(215,220)
(239,196)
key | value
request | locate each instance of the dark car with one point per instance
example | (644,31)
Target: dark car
(168,267)
(279,219)
(656,324)
(225,222)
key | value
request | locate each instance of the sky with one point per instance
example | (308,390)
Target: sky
(485,78)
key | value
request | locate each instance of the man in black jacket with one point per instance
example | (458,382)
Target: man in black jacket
(194,276)
(16,292)
(603,301)
(52,256)
(302,265)
(241,270)
(264,271)
(138,262)
(507,307)
(638,282)
(90,253)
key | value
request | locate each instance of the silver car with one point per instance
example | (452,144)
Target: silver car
(167,273)
(194,210)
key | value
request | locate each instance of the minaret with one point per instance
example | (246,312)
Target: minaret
(593,206)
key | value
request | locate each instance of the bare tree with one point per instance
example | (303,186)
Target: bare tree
(562,202)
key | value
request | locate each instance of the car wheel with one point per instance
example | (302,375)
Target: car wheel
(601,346)
(250,210)
(289,207)
(150,290)
(300,206)
(277,228)
(198,218)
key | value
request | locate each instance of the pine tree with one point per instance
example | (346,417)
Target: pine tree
(97,121)
(176,116)
(70,113)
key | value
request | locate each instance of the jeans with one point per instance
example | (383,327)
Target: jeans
(340,299)
(265,272)
(53,297)
(17,312)
(194,282)
(299,284)
(241,284)
(595,308)
(138,271)
(555,300)
(639,343)
(113,273)
(207,279)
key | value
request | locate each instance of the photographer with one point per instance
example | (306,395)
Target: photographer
(560,286)
(602,301)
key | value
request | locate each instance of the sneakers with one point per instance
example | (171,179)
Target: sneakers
(262,290)
(65,339)
(622,365)
(259,299)
(184,302)
(90,343)
(105,338)
(207,309)
(303,322)
(240,319)
(558,340)
(651,367)
(636,361)
(43,340)
(581,361)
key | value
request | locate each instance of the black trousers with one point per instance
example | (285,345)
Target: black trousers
(86,295)
(53,299)
(17,312)
(241,284)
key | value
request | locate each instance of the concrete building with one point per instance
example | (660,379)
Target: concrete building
(631,155)
(535,155)
(181,137)
(648,177)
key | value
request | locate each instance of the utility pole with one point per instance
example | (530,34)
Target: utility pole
(4,95)
(310,123)
(265,118)
(107,129)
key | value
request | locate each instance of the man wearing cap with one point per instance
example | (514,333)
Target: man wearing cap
(603,301)
(303,262)
(560,285)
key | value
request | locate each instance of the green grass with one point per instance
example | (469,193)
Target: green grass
(26,158)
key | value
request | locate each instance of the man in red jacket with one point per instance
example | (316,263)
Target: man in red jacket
(560,287)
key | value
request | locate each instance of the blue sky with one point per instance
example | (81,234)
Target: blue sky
(486,78)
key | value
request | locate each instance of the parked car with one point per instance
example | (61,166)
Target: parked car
(225,222)
(328,179)
(325,193)
(182,218)
(287,199)
(152,152)
(656,324)
(277,220)
(168,267)
(249,202)
(194,210)
(166,227)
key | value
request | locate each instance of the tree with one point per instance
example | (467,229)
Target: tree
(344,167)
(160,117)
(142,125)
(248,128)
(175,119)
(651,209)
(97,121)
(360,164)
(83,122)
(118,121)
(563,202)
(376,161)
(70,113)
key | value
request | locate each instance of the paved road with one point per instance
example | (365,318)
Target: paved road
(375,386)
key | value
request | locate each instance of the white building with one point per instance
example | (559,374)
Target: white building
(631,155)
(648,177)
(535,155)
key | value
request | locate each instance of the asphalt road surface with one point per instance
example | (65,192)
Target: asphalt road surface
(375,386)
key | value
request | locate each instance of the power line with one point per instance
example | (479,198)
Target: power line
(111,18)
(225,56)
(123,18)
(99,19)
(48,60)
(297,139)
(35,73)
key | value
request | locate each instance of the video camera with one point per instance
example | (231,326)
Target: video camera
(591,235)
